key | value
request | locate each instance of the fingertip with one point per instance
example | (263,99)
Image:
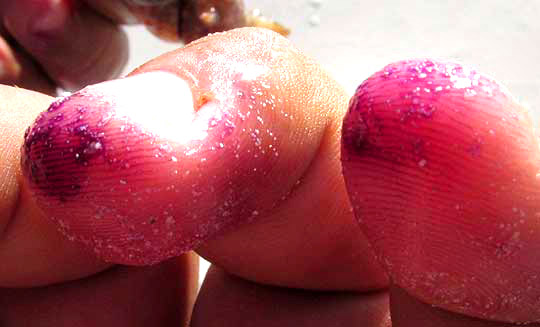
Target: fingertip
(132,156)
(187,171)
(440,164)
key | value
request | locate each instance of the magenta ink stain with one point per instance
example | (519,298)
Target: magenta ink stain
(141,180)
(440,164)
(405,95)
(57,151)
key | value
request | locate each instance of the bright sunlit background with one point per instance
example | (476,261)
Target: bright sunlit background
(353,39)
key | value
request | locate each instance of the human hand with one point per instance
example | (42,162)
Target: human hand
(61,43)
(48,44)
(304,234)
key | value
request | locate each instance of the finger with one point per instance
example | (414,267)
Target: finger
(442,165)
(160,295)
(408,311)
(32,251)
(73,44)
(9,67)
(17,68)
(256,140)
(225,300)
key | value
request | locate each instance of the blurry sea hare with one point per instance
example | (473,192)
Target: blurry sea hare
(188,20)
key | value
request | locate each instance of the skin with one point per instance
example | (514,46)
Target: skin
(456,170)
(305,153)
(72,44)
(261,305)
(248,250)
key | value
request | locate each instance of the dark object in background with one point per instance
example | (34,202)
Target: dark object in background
(188,20)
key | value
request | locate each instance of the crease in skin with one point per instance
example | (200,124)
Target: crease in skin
(117,296)
(314,234)
(12,214)
(242,303)
(9,190)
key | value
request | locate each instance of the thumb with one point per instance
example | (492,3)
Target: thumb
(146,167)
(441,165)
(235,128)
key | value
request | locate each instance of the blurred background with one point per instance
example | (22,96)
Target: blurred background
(353,39)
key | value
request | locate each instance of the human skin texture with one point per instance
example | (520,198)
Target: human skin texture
(91,155)
(218,147)
(237,302)
(442,167)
